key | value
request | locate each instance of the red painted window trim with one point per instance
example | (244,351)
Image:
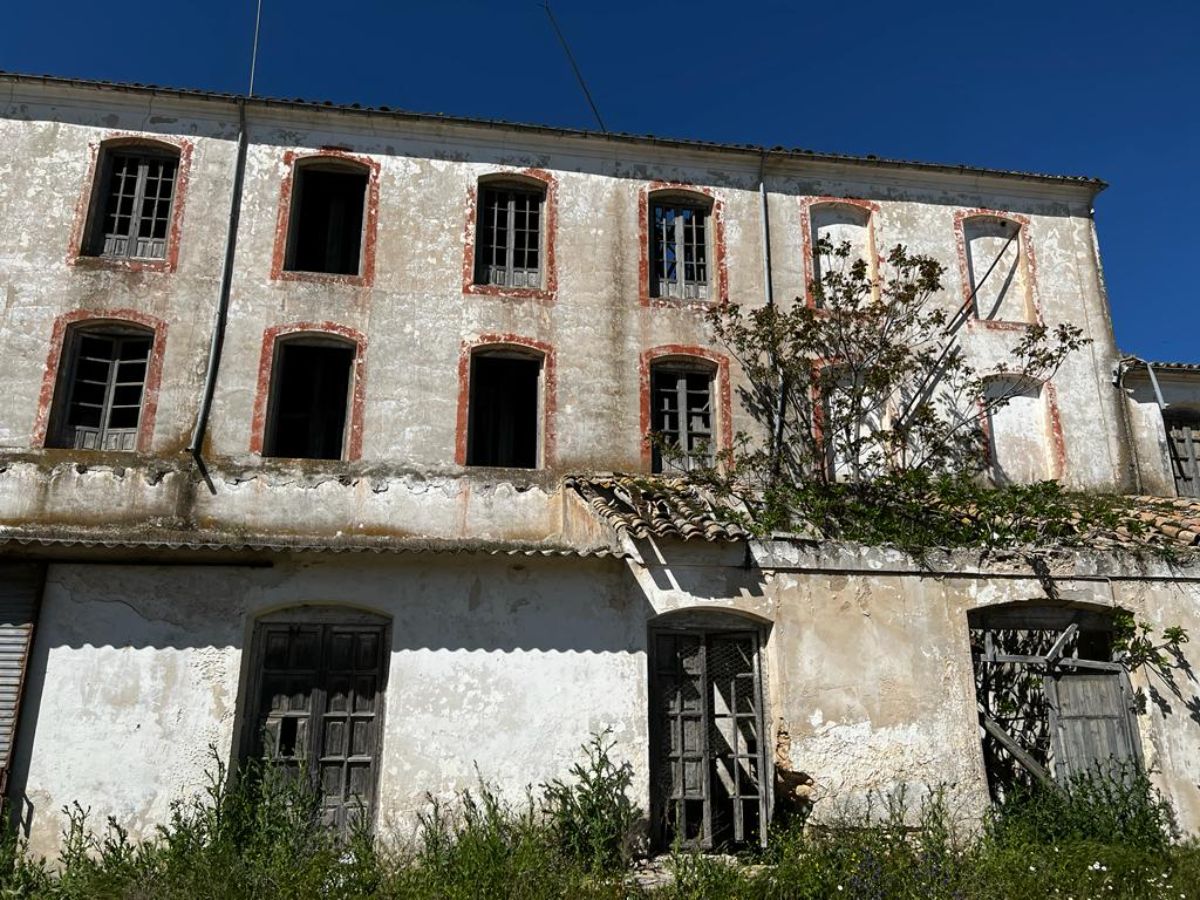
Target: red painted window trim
(549,391)
(807,204)
(91,193)
(720,273)
(292,159)
(548,293)
(1058,449)
(646,361)
(266,363)
(961,216)
(54,359)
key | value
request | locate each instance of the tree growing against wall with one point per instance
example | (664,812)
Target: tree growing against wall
(864,394)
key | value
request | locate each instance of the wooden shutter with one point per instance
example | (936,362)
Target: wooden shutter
(1182,438)
(20,588)
(1091,723)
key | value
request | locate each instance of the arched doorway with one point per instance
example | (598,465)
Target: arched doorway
(708,764)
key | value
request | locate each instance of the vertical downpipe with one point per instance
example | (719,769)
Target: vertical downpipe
(769,297)
(196,447)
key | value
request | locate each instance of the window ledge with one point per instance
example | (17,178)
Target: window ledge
(87,261)
(680,302)
(321,278)
(998,325)
(500,292)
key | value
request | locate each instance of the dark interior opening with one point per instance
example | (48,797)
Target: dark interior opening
(502,429)
(327,221)
(312,385)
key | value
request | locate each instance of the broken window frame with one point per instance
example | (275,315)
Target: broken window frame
(302,167)
(1182,429)
(505,274)
(683,370)
(65,431)
(707,628)
(515,352)
(669,245)
(275,388)
(326,621)
(1021,745)
(122,244)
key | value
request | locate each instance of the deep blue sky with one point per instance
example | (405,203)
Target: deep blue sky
(1103,88)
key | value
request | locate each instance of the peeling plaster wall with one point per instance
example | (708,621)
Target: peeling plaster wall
(509,667)
(870,685)
(413,311)
(1148,434)
(505,666)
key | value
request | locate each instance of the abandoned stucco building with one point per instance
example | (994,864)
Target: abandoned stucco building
(305,417)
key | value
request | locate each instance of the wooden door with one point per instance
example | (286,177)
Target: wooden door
(318,711)
(706,731)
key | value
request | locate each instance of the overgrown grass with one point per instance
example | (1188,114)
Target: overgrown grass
(257,837)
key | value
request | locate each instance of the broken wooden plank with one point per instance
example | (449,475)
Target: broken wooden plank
(1019,753)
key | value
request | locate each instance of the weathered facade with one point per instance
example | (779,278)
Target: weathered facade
(402,582)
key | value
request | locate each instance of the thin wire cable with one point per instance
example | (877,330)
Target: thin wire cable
(571,59)
(254,52)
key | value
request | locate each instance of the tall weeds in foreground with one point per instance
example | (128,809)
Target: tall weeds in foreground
(257,836)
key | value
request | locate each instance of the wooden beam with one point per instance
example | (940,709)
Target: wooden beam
(1019,753)
(1056,651)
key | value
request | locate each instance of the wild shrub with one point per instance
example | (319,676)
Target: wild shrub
(591,816)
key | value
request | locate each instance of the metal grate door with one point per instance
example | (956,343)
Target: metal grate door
(708,725)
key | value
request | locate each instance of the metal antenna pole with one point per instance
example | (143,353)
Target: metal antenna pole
(571,59)
(254,52)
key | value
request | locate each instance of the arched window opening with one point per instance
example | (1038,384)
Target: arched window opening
(838,224)
(326,221)
(101,387)
(509,239)
(503,425)
(682,414)
(1052,701)
(311,382)
(996,269)
(1016,430)
(318,677)
(680,246)
(132,202)
(707,725)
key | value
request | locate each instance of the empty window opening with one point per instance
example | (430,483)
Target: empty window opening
(1183,446)
(838,224)
(508,248)
(316,711)
(310,399)
(679,249)
(995,269)
(326,230)
(707,726)
(1052,703)
(135,195)
(681,418)
(502,426)
(101,387)
(1016,431)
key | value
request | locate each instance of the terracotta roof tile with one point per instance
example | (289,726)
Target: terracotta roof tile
(655,507)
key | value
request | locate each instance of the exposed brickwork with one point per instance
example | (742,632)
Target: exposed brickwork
(548,293)
(549,405)
(291,159)
(718,271)
(266,363)
(723,425)
(91,192)
(54,360)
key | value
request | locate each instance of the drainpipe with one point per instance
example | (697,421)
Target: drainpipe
(769,296)
(222,313)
